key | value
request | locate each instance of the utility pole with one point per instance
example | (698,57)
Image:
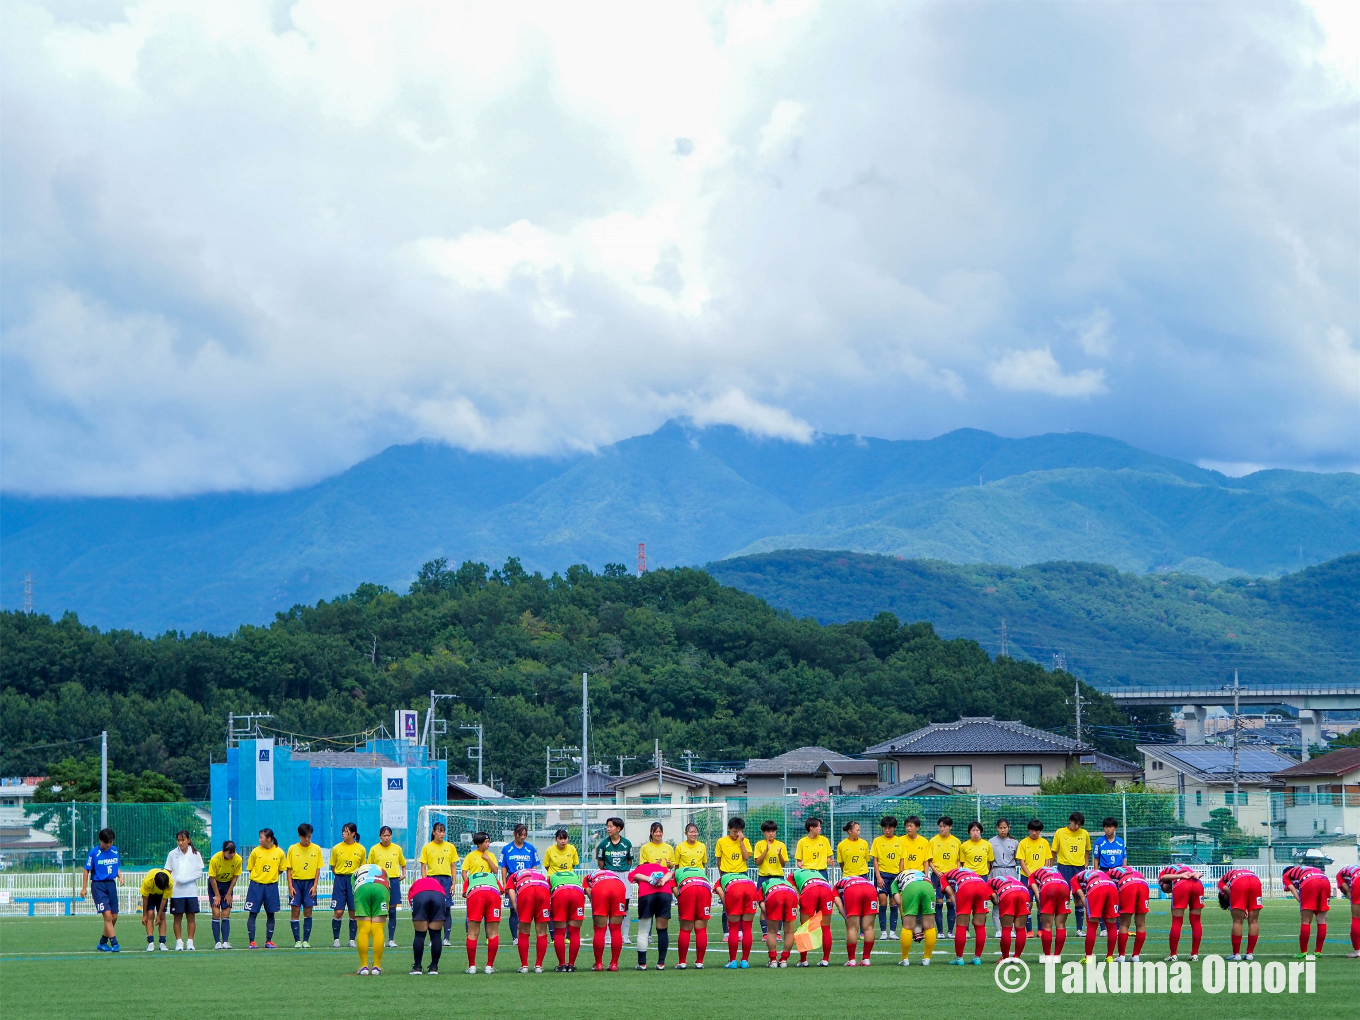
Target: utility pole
(1078,701)
(689,757)
(104,779)
(435,726)
(656,757)
(622,759)
(1005,641)
(477,728)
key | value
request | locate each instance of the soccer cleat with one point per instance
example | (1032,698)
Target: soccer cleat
(614,967)
(925,962)
(1136,959)
(1109,959)
(823,963)
(1252,956)
(1081,932)
(353,944)
(561,968)
(904,963)
(415,972)
(179,945)
(1120,958)
(801,963)
(744,964)
(660,966)
(641,966)
(489,969)
(375,971)
(1354,954)
(1173,958)
(681,966)
(189,946)
(297,945)
(850,963)
(538,970)
(270,945)
(165,948)
(363,972)
(773,965)
(524,969)
(864,962)
(958,961)
(783,964)
(472,969)
(253,946)
(432,971)
(226,945)
(698,966)
(598,968)
(103,947)
(730,965)
(977,961)
(447,942)
(151,948)
(1194,957)
(1235,958)
(306,944)
(391,943)
(336,943)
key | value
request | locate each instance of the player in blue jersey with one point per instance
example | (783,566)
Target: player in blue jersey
(1109,851)
(102,879)
(516,856)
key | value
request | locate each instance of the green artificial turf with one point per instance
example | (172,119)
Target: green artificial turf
(48,968)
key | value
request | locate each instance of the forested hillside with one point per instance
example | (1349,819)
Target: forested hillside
(1111,627)
(673,655)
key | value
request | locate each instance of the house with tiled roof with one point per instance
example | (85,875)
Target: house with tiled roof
(1322,794)
(808,770)
(982,754)
(1203,775)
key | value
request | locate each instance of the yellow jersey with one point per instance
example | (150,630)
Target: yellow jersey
(977,856)
(656,853)
(389,858)
(771,855)
(149,883)
(1071,847)
(304,862)
(479,861)
(915,852)
(944,853)
(853,856)
(438,858)
(560,858)
(691,855)
(886,852)
(346,857)
(732,854)
(1032,853)
(265,865)
(223,869)
(814,852)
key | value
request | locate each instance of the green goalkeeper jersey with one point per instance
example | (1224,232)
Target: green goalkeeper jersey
(617,857)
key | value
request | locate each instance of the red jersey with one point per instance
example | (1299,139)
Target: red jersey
(1090,878)
(521,880)
(1225,883)
(1047,876)
(1004,883)
(1124,876)
(1299,874)
(1176,873)
(420,885)
(961,876)
(1348,875)
(850,881)
(601,878)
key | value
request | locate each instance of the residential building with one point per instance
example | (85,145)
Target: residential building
(676,786)
(808,770)
(1203,775)
(981,754)
(462,788)
(1322,795)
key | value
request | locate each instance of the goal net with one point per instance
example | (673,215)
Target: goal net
(543,820)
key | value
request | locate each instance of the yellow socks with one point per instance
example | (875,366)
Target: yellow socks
(906,941)
(365,931)
(930,942)
(379,929)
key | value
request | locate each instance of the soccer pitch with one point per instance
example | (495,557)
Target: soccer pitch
(48,968)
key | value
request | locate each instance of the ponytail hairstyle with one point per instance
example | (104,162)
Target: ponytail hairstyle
(656,827)
(185,834)
(350,827)
(269,833)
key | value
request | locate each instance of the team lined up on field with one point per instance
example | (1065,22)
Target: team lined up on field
(922,879)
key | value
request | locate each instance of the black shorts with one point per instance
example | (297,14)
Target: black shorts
(184,905)
(427,906)
(153,903)
(657,904)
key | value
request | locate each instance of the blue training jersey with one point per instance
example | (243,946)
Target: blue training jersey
(102,864)
(1109,853)
(516,858)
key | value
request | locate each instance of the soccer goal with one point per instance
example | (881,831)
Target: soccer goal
(543,820)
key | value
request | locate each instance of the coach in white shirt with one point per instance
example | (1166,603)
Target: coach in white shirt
(185,865)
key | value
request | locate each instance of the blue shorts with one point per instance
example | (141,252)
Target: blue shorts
(342,893)
(888,880)
(657,904)
(306,893)
(395,885)
(428,906)
(104,892)
(223,891)
(262,896)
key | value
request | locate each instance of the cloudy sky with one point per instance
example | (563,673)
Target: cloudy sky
(246,245)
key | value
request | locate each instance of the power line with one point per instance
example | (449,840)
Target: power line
(39,747)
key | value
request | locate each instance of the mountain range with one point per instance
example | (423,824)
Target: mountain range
(694,495)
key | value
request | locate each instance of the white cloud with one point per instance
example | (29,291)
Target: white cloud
(247,244)
(1037,371)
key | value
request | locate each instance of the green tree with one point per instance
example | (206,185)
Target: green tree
(1076,780)
(79,780)
(1232,841)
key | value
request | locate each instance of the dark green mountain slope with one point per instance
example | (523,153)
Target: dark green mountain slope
(1113,628)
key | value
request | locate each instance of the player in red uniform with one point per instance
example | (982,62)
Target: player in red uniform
(970,894)
(529,896)
(1012,902)
(779,906)
(608,907)
(483,893)
(1240,891)
(1187,894)
(1134,895)
(1313,889)
(1054,895)
(857,900)
(694,898)
(1348,883)
(567,902)
(815,896)
(738,895)
(1095,889)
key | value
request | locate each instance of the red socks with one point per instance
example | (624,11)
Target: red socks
(597,943)
(1305,933)
(1176,923)
(472,952)
(1123,942)
(1005,942)
(492,944)
(1355,933)
(1020,936)
(960,939)
(1091,932)
(1111,933)
(733,940)
(747,939)
(868,948)
(1046,941)
(1138,939)
(826,942)
(615,943)
(1237,943)
(979,938)
(541,950)
(850,945)
(1251,941)
(1321,935)
(1196,933)
(560,944)
(1062,940)
(683,945)
(575,946)
(524,946)
(700,944)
